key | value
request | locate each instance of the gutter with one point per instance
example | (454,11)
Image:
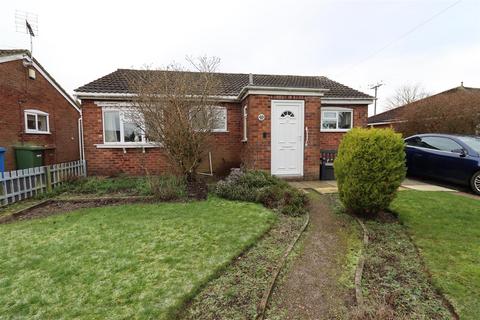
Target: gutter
(247,90)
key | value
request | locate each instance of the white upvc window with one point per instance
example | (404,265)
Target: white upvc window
(219,123)
(36,121)
(245,123)
(336,119)
(119,128)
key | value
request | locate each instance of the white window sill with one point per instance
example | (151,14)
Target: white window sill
(334,130)
(125,145)
(220,131)
(37,132)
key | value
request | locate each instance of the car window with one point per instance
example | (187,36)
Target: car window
(440,143)
(414,142)
(472,142)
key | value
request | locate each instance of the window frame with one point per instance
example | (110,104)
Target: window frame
(225,110)
(122,141)
(337,110)
(245,123)
(36,113)
(436,150)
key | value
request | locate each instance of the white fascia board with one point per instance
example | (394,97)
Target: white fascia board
(113,104)
(13,57)
(346,101)
(385,122)
(285,91)
(123,96)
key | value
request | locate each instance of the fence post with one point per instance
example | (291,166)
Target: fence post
(48,179)
(3,191)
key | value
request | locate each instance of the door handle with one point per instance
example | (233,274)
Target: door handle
(306,136)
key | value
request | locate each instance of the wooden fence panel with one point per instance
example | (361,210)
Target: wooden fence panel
(22,184)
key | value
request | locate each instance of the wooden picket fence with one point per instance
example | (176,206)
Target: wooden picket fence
(26,183)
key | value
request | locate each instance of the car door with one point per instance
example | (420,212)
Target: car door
(444,159)
(416,157)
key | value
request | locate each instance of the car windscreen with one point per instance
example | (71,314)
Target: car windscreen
(472,142)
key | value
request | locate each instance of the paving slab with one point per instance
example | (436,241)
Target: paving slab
(330,186)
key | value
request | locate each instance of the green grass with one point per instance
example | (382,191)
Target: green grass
(446,228)
(237,292)
(132,261)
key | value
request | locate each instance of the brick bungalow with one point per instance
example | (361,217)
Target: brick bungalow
(277,123)
(35,111)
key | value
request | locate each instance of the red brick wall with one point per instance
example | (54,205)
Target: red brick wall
(256,152)
(331,140)
(17,93)
(225,148)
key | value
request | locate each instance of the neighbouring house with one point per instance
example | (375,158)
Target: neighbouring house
(452,111)
(278,123)
(35,113)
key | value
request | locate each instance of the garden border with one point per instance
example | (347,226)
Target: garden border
(14,217)
(442,296)
(264,302)
(360,264)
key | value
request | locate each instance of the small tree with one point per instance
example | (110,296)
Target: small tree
(406,94)
(174,108)
(369,167)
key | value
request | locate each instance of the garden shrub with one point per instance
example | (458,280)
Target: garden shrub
(167,187)
(261,187)
(369,168)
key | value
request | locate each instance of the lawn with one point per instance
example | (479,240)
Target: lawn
(446,228)
(131,261)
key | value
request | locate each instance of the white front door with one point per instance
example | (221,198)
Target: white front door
(287,137)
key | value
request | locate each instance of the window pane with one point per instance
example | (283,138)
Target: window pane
(31,122)
(414,142)
(329,124)
(472,142)
(220,120)
(344,120)
(42,123)
(330,114)
(112,126)
(440,143)
(132,132)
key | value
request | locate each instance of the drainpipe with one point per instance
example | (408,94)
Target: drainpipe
(80,137)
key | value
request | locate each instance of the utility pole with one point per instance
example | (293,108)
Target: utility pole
(375,87)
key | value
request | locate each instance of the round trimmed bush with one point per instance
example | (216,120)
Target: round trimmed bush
(369,167)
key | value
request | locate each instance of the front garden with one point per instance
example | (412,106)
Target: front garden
(113,248)
(141,260)
(446,229)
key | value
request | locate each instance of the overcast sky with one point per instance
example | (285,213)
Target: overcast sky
(358,43)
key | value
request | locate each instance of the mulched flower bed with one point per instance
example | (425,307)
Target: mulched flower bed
(54,207)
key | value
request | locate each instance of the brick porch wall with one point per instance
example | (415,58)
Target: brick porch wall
(256,153)
(225,148)
(17,93)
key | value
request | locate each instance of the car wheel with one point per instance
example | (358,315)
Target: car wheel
(475,183)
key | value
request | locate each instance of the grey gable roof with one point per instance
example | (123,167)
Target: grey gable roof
(231,83)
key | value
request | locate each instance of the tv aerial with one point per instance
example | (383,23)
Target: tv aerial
(27,23)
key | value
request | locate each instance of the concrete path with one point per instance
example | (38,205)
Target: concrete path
(325,187)
(310,289)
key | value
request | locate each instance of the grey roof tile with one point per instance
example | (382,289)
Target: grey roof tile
(231,83)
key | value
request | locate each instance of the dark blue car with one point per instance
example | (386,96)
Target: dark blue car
(452,158)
